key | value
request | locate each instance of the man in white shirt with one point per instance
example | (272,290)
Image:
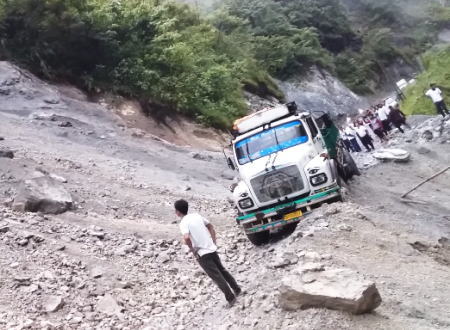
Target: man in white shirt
(365,138)
(200,236)
(383,114)
(435,94)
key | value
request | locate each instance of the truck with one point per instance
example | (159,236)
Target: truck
(289,162)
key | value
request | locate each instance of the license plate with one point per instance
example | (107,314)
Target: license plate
(293,215)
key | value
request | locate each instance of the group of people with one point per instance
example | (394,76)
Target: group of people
(376,121)
(380,119)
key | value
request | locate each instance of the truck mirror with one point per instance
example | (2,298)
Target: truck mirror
(231,164)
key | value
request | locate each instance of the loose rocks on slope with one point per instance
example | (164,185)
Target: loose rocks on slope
(42,194)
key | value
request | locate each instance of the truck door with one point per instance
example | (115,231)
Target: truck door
(315,134)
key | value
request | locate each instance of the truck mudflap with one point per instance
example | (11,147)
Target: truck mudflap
(265,218)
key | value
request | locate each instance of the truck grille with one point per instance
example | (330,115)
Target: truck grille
(277,184)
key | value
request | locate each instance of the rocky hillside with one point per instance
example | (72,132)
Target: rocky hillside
(113,259)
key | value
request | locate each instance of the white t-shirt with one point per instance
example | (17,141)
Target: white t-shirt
(436,95)
(195,225)
(382,114)
(361,130)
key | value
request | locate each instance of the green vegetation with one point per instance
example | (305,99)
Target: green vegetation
(160,52)
(171,59)
(437,64)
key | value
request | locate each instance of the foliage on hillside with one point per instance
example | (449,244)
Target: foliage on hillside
(153,50)
(437,64)
(288,36)
(168,56)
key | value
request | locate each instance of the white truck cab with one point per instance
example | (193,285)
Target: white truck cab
(284,170)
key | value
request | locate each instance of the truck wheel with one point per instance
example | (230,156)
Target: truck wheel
(290,228)
(259,238)
(351,165)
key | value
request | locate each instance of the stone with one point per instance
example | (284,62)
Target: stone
(423,151)
(108,305)
(6,154)
(98,234)
(427,135)
(4,227)
(338,289)
(52,304)
(58,178)
(65,124)
(344,227)
(397,155)
(42,194)
(96,272)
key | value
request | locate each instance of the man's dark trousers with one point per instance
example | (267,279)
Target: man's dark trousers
(213,267)
(441,108)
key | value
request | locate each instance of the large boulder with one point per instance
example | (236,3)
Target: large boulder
(42,194)
(338,289)
(6,154)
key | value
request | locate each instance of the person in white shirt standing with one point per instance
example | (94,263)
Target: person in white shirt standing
(435,94)
(383,115)
(200,236)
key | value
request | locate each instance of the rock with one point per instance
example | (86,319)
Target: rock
(423,151)
(284,259)
(6,154)
(427,135)
(338,289)
(96,272)
(65,124)
(397,155)
(58,178)
(98,234)
(52,304)
(4,227)
(344,227)
(1,138)
(204,157)
(42,194)
(108,305)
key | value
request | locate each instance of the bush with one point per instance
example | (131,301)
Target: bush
(437,65)
(156,51)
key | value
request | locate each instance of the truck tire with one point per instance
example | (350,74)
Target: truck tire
(351,165)
(290,228)
(259,238)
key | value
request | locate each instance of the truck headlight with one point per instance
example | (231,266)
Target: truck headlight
(318,179)
(246,203)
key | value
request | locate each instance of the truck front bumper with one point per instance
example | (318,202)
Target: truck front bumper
(272,218)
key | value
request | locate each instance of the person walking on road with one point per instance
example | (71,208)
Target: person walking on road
(349,133)
(435,94)
(397,118)
(365,138)
(199,235)
(377,127)
(383,115)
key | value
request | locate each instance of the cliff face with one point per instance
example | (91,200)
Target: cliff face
(320,91)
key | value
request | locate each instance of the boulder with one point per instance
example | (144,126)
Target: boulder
(109,305)
(338,289)
(397,155)
(52,304)
(6,154)
(42,194)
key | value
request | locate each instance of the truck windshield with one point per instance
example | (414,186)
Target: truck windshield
(270,141)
